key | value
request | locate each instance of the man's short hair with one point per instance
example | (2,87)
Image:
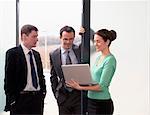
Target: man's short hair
(27,29)
(67,29)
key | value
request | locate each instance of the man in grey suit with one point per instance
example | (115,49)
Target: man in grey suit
(69,100)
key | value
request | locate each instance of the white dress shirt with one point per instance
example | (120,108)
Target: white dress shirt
(71,54)
(29,86)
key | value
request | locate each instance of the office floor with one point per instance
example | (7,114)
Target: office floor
(50,105)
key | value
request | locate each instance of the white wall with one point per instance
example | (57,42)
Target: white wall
(7,39)
(130,19)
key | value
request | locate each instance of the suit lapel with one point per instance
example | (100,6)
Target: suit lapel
(77,52)
(58,58)
(36,57)
(57,62)
(37,60)
(22,61)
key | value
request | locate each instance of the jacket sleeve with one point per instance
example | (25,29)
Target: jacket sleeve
(41,75)
(53,77)
(10,78)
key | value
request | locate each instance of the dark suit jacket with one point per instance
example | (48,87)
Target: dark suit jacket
(57,74)
(16,74)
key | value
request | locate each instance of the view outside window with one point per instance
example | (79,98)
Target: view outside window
(49,16)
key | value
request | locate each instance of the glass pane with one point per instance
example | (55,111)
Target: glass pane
(49,16)
(7,40)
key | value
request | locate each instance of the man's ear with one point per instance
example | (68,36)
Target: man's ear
(24,36)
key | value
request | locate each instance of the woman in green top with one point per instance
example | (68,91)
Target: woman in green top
(99,98)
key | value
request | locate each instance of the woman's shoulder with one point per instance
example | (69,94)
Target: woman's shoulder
(111,58)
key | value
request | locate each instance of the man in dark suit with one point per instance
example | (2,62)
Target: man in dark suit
(69,100)
(24,82)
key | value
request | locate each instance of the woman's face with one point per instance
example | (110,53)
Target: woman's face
(99,43)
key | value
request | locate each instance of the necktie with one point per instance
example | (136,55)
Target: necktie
(33,73)
(68,59)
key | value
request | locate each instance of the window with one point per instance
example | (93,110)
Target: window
(49,16)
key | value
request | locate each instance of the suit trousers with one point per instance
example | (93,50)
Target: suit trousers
(72,104)
(28,103)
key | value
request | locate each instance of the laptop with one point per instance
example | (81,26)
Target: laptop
(78,72)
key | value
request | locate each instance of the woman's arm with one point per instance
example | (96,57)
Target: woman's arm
(75,85)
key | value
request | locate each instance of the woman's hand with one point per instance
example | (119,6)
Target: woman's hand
(73,84)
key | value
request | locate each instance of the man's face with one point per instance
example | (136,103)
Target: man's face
(31,39)
(67,39)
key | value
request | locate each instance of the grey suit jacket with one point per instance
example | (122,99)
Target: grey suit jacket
(57,74)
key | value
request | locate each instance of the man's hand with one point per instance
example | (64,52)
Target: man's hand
(82,31)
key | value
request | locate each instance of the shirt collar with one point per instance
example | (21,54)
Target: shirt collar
(25,49)
(63,51)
